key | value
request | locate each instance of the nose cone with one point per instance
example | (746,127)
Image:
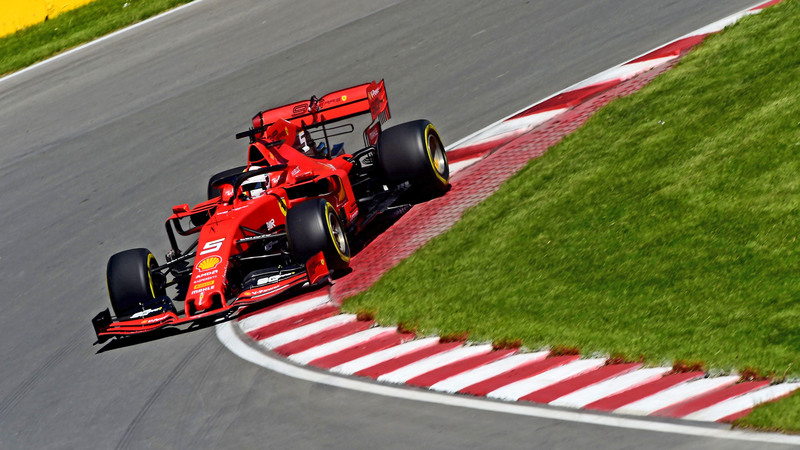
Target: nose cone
(203,302)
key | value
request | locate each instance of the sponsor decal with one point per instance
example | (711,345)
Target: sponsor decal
(153,320)
(269,280)
(299,109)
(373,132)
(266,290)
(270,224)
(378,103)
(201,291)
(207,276)
(276,135)
(212,246)
(209,263)
(270,289)
(144,313)
(204,284)
(330,101)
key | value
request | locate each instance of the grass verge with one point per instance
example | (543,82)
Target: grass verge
(666,227)
(73,28)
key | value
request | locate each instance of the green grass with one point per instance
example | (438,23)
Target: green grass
(73,28)
(666,227)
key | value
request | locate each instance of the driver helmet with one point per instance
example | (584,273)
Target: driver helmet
(256,186)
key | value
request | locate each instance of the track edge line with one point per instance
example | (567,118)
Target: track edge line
(228,336)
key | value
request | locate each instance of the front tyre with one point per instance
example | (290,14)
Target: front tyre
(313,226)
(413,152)
(130,282)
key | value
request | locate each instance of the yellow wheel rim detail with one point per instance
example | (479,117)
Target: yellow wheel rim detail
(439,160)
(338,241)
(151,260)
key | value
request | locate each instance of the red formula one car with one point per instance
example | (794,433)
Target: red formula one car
(281,221)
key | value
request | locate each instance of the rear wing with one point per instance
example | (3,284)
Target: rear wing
(333,107)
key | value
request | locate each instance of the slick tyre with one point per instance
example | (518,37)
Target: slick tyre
(413,152)
(230,175)
(130,283)
(313,226)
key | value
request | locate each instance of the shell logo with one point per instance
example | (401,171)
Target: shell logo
(209,263)
(344,98)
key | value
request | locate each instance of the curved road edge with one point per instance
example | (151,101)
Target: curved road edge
(229,335)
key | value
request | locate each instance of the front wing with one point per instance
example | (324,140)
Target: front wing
(160,313)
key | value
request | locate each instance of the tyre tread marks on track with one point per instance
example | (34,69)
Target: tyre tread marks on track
(202,437)
(130,431)
(15,396)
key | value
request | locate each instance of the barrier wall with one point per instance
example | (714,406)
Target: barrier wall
(18,14)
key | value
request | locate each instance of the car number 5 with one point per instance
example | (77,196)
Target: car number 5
(212,246)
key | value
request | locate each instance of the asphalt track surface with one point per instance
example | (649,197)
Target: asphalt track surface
(97,146)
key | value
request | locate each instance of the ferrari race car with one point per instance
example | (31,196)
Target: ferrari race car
(282,221)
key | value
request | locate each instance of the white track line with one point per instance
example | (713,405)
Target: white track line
(270,316)
(463,164)
(624,71)
(306,330)
(100,39)
(521,388)
(676,394)
(227,335)
(332,347)
(462,380)
(425,365)
(511,127)
(372,359)
(742,402)
(607,388)
(722,23)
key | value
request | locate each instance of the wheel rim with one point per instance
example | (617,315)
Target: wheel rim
(339,238)
(438,156)
(151,264)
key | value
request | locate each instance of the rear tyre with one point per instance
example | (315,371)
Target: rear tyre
(313,226)
(413,152)
(130,283)
(228,175)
